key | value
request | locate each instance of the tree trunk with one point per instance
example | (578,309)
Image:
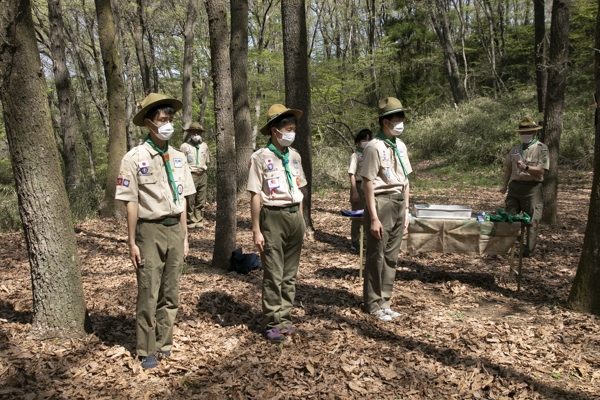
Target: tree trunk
(239,82)
(137,32)
(463,39)
(62,81)
(439,20)
(117,142)
(188,62)
(297,89)
(541,76)
(373,96)
(585,292)
(225,241)
(555,96)
(58,301)
(204,100)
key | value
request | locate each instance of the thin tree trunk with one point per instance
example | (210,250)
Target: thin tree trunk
(463,38)
(188,62)
(239,82)
(373,95)
(62,81)
(84,122)
(541,75)
(58,301)
(204,100)
(585,292)
(225,241)
(137,32)
(297,89)
(117,142)
(555,98)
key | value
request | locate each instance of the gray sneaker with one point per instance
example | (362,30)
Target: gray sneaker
(381,315)
(391,313)
(149,362)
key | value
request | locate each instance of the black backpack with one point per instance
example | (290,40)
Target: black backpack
(244,263)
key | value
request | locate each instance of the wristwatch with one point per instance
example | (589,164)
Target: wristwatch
(527,168)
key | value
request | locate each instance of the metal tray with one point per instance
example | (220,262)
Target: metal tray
(442,211)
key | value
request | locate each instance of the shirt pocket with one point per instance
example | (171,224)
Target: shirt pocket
(146,179)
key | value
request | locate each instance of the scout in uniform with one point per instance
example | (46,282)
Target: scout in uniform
(274,183)
(385,173)
(524,168)
(357,196)
(153,182)
(197,155)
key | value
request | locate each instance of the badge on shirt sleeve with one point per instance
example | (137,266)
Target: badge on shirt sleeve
(178,162)
(126,182)
(296,164)
(119,181)
(273,183)
(180,188)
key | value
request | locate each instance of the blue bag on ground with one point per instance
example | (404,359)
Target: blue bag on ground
(353,213)
(244,263)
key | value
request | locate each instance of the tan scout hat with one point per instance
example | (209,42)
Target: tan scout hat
(194,126)
(390,105)
(528,124)
(151,101)
(277,110)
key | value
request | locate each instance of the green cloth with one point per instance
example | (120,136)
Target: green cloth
(526,146)
(382,136)
(503,216)
(359,149)
(285,158)
(197,146)
(165,157)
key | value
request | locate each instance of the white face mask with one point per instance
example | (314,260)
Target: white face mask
(197,138)
(527,138)
(287,138)
(164,131)
(398,128)
(364,144)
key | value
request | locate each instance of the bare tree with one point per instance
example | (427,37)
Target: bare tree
(188,62)
(137,30)
(226,172)
(239,81)
(555,98)
(62,81)
(297,89)
(585,292)
(58,302)
(541,75)
(117,142)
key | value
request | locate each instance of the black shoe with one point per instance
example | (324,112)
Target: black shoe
(164,354)
(149,362)
(274,335)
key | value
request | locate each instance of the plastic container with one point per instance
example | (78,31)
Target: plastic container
(442,211)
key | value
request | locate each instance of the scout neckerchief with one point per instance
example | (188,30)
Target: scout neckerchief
(165,157)
(286,163)
(382,136)
(526,146)
(359,149)
(197,146)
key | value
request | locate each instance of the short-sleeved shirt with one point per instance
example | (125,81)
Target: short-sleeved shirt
(267,176)
(535,155)
(356,163)
(197,157)
(382,167)
(143,179)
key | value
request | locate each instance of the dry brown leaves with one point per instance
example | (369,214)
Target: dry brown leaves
(464,332)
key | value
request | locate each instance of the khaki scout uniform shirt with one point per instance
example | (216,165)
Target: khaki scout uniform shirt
(267,176)
(535,155)
(143,179)
(196,164)
(356,163)
(381,166)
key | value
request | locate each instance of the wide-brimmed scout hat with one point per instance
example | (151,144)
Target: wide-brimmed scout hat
(151,101)
(194,126)
(527,125)
(390,105)
(277,110)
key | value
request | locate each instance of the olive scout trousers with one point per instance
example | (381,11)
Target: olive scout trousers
(195,202)
(161,251)
(283,231)
(526,197)
(382,255)
(355,229)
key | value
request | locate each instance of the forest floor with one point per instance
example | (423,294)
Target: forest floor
(465,332)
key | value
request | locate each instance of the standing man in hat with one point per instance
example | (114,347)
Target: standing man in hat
(274,183)
(385,173)
(524,168)
(198,157)
(153,182)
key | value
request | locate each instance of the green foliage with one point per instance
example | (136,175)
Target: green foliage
(10,220)
(85,199)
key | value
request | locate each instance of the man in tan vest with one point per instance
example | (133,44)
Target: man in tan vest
(385,173)
(274,183)
(153,182)
(198,157)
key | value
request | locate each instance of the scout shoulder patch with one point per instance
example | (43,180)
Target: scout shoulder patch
(190,159)
(178,162)
(180,188)
(119,181)
(126,182)
(544,160)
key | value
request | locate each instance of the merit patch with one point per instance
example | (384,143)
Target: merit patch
(126,182)
(178,162)
(270,167)
(273,183)
(144,171)
(119,181)
(190,159)
(180,188)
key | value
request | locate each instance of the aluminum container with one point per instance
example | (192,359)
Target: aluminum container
(442,211)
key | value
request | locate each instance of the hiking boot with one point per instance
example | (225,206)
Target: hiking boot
(381,315)
(391,313)
(149,362)
(274,335)
(287,330)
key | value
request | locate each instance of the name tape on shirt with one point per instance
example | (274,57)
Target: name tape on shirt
(178,162)
(273,183)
